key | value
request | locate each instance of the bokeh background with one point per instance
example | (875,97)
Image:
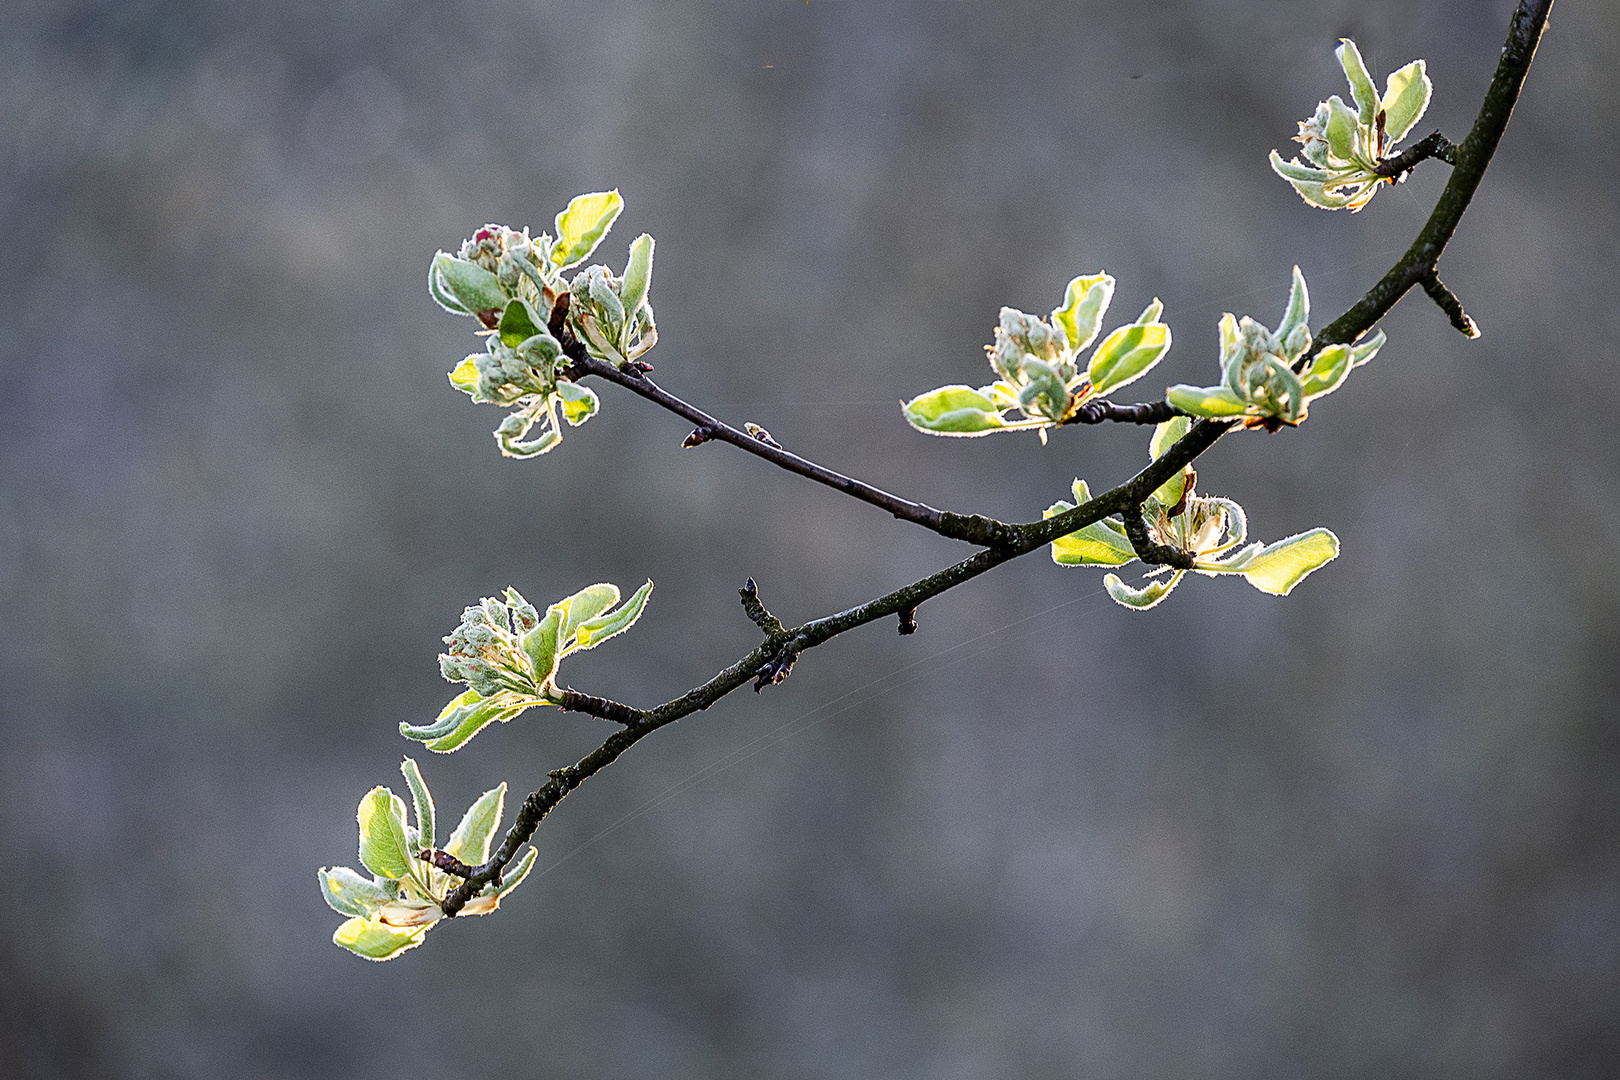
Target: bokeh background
(1367,831)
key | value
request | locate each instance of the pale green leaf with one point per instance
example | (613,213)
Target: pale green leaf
(470,841)
(1361,84)
(1143,598)
(509,436)
(593,632)
(1298,311)
(437,291)
(637,274)
(475,718)
(1328,370)
(347,893)
(447,719)
(540,645)
(517,871)
(374,940)
(1360,354)
(422,802)
(1293,170)
(1278,567)
(383,848)
(465,376)
(581,227)
(1342,127)
(1084,302)
(1100,543)
(1126,355)
(584,606)
(579,403)
(953,410)
(1406,98)
(1215,402)
(1166,435)
(1151,313)
(469,284)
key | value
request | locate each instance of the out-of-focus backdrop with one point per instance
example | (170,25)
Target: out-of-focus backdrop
(1366,831)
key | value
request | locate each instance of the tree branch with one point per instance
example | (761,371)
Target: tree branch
(1433,145)
(1415,267)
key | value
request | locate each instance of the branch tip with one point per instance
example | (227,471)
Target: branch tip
(1448,303)
(755,610)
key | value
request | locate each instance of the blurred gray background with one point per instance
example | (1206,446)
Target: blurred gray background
(1366,831)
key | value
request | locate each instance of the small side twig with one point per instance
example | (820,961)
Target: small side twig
(908,621)
(447,862)
(1434,145)
(755,609)
(1100,410)
(1448,302)
(1146,549)
(601,707)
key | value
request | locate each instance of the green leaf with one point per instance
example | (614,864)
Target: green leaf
(476,718)
(1341,131)
(584,606)
(1167,435)
(1406,98)
(1084,302)
(465,716)
(519,322)
(1298,311)
(1361,84)
(1318,195)
(516,872)
(469,284)
(465,376)
(1360,354)
(953,410)
(540,645)
(1145,597)
(1292,170)
(540,350)
(1099,544)
(374,940)
(1215,402)
(383,849)
(581,227)
(637,274)
(593,632)
(470,841)
(422,802)
(1126,355)
(1329,368)
(347,893)
(1151,313)
(437,291)
(1278,567)
(579,403)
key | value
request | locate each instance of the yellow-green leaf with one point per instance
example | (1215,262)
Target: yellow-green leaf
(1084,302)
(1406,98)
(470,841)
(383,848)
(581,227)
(1278,567)
(374,940)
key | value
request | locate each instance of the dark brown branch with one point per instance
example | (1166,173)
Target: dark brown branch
(1101,410)
(446,862)
(1146,549)
(1434,145)
(1013,541)
(603,708)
